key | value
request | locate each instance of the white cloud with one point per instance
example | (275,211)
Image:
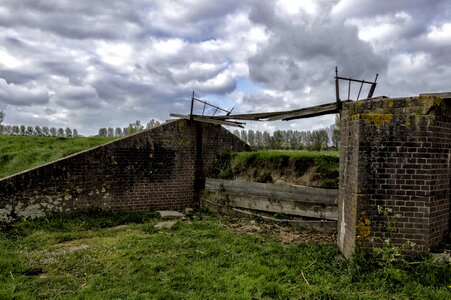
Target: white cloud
(440,34)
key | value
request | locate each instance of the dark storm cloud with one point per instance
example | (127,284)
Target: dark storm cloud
(70,19)
(305,53)
(22,96)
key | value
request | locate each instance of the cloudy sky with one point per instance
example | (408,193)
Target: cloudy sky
(97,63)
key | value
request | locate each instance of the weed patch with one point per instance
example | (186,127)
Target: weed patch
(318,169)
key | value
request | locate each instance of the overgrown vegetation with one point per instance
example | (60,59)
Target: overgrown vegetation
(318,169)
(18,153)
(101,256)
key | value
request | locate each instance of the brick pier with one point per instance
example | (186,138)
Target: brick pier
(395,157)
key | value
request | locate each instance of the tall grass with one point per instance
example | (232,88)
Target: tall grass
(19,153)
(324,166)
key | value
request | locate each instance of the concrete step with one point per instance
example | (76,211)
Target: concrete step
(170,214)
(166,224)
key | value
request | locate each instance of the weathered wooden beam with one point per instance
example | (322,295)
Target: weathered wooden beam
(324,109)
(274,205)
(251,117)
(313,111)
(291,200)
(294,193)
(328,226)
(207,120)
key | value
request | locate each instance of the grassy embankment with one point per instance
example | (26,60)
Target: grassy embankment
(19,153)
(317,169)
(208,257)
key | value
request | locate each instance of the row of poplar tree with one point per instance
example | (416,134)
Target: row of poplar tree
(36,130)
(280,139)
(130,129)
(321,139)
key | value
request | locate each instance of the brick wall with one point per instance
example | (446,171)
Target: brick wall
(395,158)
(159,168)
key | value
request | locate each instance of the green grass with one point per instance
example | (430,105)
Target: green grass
(207,257)
(322,167)
(19,153)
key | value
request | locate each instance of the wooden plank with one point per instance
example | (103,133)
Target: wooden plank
(251,116)
(207,120)
(329,108)
(262,203)
(309,112)
(294,193)
(328,226)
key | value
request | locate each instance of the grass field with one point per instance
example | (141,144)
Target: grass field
(19,153)
(99,256)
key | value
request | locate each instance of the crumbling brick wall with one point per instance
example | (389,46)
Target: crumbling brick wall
(158,168)
(395,158)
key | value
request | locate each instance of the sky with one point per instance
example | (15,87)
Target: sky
(88,64)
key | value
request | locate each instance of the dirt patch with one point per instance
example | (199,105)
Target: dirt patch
(70,248)
(283,234)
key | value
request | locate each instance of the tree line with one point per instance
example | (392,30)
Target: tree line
(132,128)
(35,130)
(317,140)
(38,131)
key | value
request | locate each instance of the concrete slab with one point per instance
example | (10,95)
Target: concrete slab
(165,224)
(170,214)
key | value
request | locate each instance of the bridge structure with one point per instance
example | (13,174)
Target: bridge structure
(395,166)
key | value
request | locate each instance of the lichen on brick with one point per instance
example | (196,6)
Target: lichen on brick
(363,227)
(376,119)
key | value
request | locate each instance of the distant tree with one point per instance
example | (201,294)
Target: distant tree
(118,132)
(29,131)
(244,136)
(60,132)
(277,139)
(251,138)
(23,130)
(15,130)
(45,131)
(75,132)
(135,127)
(266,140)
(53,131)
(2,116)
(8,129)
(2,129)
(103,132)
(38,130)
(152,123)
(259,139)
(110,132)
(68,132)
(336,132)
(318,140)
(125,131)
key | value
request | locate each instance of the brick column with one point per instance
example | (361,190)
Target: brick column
(395,156)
